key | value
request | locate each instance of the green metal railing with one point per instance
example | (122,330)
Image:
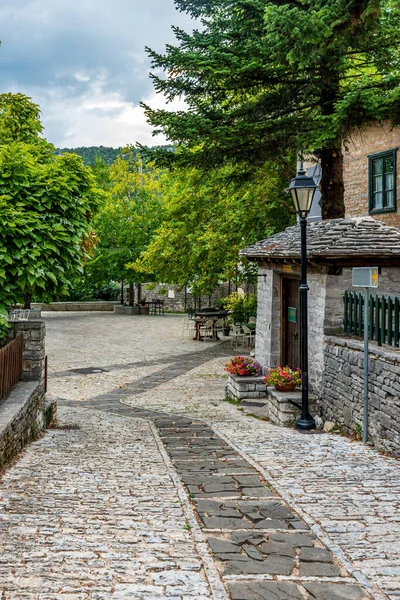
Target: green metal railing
(383,317)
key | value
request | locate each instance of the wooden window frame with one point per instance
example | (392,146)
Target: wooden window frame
(384,209)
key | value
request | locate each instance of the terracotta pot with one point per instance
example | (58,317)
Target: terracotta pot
(287,387)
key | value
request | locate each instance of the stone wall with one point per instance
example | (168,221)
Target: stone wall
(241,388)
(268,338)
(373,139)
(343,381)
(24,412)
(177,301)
(34,333)
(95,305)
(22,418)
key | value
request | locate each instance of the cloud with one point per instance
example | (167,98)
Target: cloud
(84,62)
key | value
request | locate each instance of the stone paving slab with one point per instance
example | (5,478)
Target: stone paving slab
(245,553)
(267,590)
(238,486)
(245,514)
(259,538)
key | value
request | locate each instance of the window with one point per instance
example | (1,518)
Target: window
(382,182)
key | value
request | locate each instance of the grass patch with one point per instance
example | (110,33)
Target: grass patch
(234,401)
(259,417)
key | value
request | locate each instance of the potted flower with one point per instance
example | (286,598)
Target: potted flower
(283,378)
(243,366)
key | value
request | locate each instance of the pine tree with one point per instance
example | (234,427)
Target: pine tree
(261,78)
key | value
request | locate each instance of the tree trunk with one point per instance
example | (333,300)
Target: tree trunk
(27,301)
(122,293)
(139,292)
(131,294)
(332,188)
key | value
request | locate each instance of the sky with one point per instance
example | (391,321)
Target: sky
(84,63)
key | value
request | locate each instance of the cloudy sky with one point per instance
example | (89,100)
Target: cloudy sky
(83,62)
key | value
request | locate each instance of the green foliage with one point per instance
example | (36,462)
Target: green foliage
(261,78)
(92,154)
(46,203)
(208,220)
(82,291)
(4,327)
(126,223)
(241,307)
(19,119)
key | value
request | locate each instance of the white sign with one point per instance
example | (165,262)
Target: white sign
(366,277)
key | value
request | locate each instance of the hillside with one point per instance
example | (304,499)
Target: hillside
(90,153)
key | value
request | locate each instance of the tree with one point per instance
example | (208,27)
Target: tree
(206,223)
(262,77)
(46,203)
(126,223)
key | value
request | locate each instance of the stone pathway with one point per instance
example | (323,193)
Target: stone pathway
(165,491)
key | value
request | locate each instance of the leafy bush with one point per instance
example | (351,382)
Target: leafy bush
(84,292)
(241,308)
(4,327)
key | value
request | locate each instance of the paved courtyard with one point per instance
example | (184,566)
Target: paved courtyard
(151,486)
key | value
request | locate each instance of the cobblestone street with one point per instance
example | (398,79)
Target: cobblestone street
(152,487)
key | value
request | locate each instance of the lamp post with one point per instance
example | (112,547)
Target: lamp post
(302,189)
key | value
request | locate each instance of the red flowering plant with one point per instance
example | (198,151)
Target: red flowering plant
(283,376)
(243,365)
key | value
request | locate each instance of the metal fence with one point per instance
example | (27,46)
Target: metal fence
(11,364)
(383,317)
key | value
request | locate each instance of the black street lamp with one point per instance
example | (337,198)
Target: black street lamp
(302,189)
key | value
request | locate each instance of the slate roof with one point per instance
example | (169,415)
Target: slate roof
(355,237)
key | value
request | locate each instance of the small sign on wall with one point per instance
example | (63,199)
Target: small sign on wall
(365,277)
(292,314)
(171,293)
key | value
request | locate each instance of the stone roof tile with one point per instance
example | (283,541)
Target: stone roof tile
(335,238)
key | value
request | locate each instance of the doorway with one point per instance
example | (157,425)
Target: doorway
(290,340)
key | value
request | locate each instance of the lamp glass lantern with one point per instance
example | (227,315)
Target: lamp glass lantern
(302,188)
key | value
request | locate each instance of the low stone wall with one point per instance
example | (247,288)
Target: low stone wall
(25,411)
(280,409)
(34,333)
(22,418)
(99,305)
(245,387)
(342,398)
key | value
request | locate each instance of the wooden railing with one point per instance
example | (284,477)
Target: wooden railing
(11,364)
(383,317)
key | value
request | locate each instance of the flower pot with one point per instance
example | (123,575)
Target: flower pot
(287,387)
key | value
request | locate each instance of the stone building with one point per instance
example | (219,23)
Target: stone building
(371,173)
(372,181)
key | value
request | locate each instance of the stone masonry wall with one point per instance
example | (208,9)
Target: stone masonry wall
(342,399)
(22,418)
(177,303)
(24,413)
(34,333)
(372,140)
(245,387)
(96,305)
(267,350)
